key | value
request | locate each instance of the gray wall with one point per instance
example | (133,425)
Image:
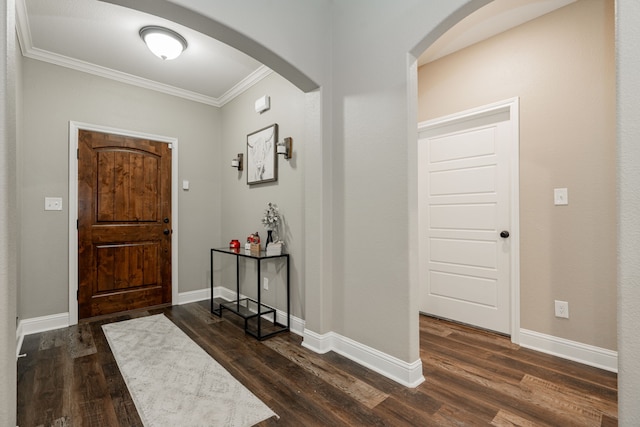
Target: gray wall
(243,205)
(53,96)
(365,41)
(628,91)
(373,129)
(360,208)
(8,217)
(370,42)
(219,205)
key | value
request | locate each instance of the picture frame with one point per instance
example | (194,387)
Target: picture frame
(262,159)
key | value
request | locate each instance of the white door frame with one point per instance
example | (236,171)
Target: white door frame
(74,129)
(512,106)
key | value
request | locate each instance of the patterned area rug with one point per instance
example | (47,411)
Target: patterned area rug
(174,382)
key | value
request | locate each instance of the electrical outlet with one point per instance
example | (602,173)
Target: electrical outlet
(53,203)
(562,309)
(265,284)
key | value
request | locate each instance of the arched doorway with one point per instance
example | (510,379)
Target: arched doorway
(553,121)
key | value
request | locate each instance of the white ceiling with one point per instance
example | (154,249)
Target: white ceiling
(102,39)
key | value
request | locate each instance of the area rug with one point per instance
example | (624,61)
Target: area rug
(174,382)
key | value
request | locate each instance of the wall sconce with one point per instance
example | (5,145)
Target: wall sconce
(284,147)
(237,162)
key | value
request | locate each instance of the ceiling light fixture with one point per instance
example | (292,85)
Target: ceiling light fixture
(163,42)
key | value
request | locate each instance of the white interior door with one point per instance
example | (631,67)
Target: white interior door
(465,214)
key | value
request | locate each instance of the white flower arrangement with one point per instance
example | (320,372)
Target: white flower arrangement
(271,218)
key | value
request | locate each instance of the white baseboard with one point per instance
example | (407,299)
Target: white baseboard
(44,323)
(571,350)
(410,374)
(39,324)
(19,339)
(318,343)
(296,324)
(225,293)
(194,296)
(407,374)
(61,320)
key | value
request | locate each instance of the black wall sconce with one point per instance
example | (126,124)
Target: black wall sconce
(237,162)
(284,148)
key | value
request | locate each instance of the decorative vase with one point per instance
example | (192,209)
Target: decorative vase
(269,238)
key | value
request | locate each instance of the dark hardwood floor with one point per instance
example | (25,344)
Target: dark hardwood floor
(70,378)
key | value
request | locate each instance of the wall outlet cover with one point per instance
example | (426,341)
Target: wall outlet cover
(562,309)
(53,203)
(560,196)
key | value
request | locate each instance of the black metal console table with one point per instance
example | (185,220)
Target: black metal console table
(248,308)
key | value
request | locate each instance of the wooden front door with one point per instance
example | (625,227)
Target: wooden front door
(124,223)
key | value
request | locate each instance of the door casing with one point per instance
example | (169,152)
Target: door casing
(510,106)
(74,128)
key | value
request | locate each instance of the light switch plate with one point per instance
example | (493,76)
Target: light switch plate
(53,203)
(185,185)
(560,196)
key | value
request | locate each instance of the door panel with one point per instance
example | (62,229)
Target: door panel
(127,266)
(473,253)
(463,181)
(463,216)
(124,223)
(464,188)
(464,288)
(128,186)
(459,146)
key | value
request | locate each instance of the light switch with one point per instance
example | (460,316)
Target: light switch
(560,196)
(185,185)
(53,203)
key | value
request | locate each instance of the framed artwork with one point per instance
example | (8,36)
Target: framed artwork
(262,163)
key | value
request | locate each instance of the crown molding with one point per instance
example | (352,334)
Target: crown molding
(244,84)
(29,51)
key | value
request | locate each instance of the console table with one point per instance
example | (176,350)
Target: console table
(251,310)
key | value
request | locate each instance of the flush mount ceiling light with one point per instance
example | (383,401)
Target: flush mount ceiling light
(163,42)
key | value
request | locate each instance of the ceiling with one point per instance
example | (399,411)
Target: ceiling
(102,39)
(488,21)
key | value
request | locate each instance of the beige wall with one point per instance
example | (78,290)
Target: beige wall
(561,65)
(53,96)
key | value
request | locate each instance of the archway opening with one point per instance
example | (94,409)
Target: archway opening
(564,76)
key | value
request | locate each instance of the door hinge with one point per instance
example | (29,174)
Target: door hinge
(78,295)
(78,152)
(77,224)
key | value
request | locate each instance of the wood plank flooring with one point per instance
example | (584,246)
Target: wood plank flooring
(70,378)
